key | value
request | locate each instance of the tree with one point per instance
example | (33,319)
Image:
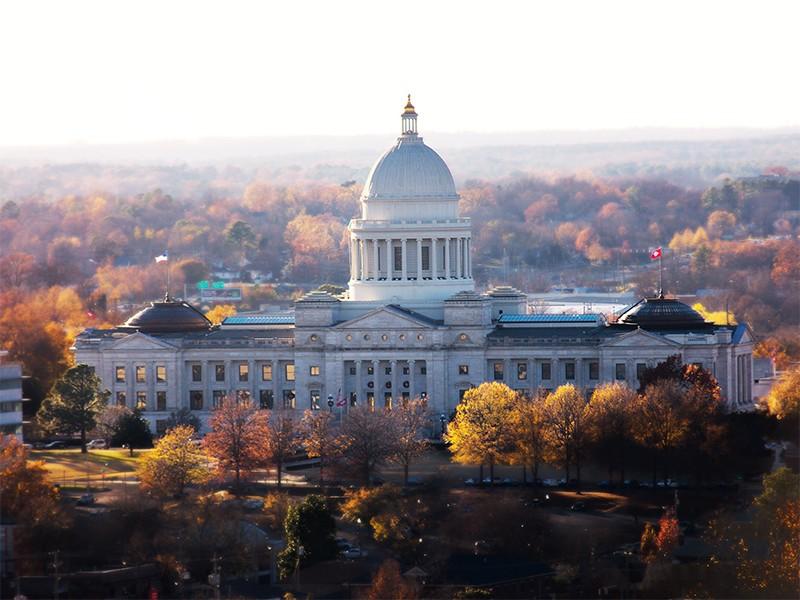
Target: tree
(529,433)
(108,420)
(27,496)
(660,423)
(366,443)
(783,400)
(74,403)
(609,416)
(132,431)
(281,442)
(482,430)
(320,439)
(389,583)
(408,422)
(174,463)
(220,312)
(310,526)
(239,438)
(565,422)
(183,416)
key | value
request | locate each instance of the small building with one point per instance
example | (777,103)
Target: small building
(10,397)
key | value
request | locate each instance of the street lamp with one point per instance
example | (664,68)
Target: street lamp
(330,402)
(443,420)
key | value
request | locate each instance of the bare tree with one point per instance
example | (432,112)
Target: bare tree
(366,442)
(320,437)
(282,439)
(408,423)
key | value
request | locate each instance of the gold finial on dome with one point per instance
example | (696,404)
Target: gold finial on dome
(409,109)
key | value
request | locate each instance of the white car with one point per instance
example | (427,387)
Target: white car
(97,445)
(353,552)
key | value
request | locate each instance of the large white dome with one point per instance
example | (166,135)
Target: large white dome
(409,170)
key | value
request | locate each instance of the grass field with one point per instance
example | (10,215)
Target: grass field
(70,465)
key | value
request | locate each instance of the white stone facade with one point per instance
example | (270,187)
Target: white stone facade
(410,325)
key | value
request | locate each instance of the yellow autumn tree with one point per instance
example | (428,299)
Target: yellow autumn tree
(482,431)
(715,316)
(220,312)
(529,434)
(566,427)
(784,398)
(174,463)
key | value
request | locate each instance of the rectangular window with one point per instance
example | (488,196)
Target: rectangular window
(371,401)
(266,372)
(242,396)
(314,396)
(313,370)
(387,400)
(266,399)
(398,259)
(141,400)
(370,371)
(219,373)
(388,370)
(497,369)
(244,372)
(423,370)
(405,396)
(426,258)
(522,371)
(161,374)
(352,370)
(119,372)
(406,370)
(594,370)
(640,368)
(196,400)
(546,370)
(288,370)
(141,377)
(288,399)
(217,398)
(197,373)
(619,371)
(463,369)
(569,371)
(121,399)
(161,400)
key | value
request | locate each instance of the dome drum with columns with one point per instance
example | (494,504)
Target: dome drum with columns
(410,325)
(409,233)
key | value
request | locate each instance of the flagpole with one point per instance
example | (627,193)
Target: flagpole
(660,274)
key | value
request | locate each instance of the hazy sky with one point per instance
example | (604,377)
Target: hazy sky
(114,71)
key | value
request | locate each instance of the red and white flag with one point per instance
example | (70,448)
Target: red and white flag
(340,400)
(655,253)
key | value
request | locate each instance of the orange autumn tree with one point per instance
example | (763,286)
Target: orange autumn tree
(239,438)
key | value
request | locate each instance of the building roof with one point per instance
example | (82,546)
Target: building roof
(660,313)
(167,316)
(262,319)
(548,318)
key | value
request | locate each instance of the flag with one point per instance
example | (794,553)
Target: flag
(340,400)
(655,253)
(162,258)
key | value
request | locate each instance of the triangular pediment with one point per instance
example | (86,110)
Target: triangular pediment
(140,341)
(639,337)
(387,317)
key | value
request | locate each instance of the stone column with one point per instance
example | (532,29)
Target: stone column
(376,270)
(419,259)
(362,255)
(508,377)
(251,379)
(395,392)
(467,257)
(434,259)
(376,381)
(353,259)
(389,260)
(404,258)
(411,392)
(459,274)
(447,257)
(532,376)
(429,381)
(359,385)
(277,399)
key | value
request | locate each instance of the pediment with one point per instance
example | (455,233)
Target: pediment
(140,341)
(386,318)
(640,338)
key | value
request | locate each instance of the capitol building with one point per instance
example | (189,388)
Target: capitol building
(410,325)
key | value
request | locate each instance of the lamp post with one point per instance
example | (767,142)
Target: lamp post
(330,402)
(443,420)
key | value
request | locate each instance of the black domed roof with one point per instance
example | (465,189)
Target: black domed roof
(169,316)
(661,312)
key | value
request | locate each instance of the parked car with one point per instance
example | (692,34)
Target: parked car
(353,552)
(97,445)
(253,504)
(470,482)
(578,507)
(550,483)
(55,445)
(86,500)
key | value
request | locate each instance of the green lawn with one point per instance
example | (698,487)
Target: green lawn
(70,464)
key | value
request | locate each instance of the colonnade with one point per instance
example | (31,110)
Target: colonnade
(402,259)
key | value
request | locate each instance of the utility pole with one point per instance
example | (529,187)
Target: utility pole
(215,578)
